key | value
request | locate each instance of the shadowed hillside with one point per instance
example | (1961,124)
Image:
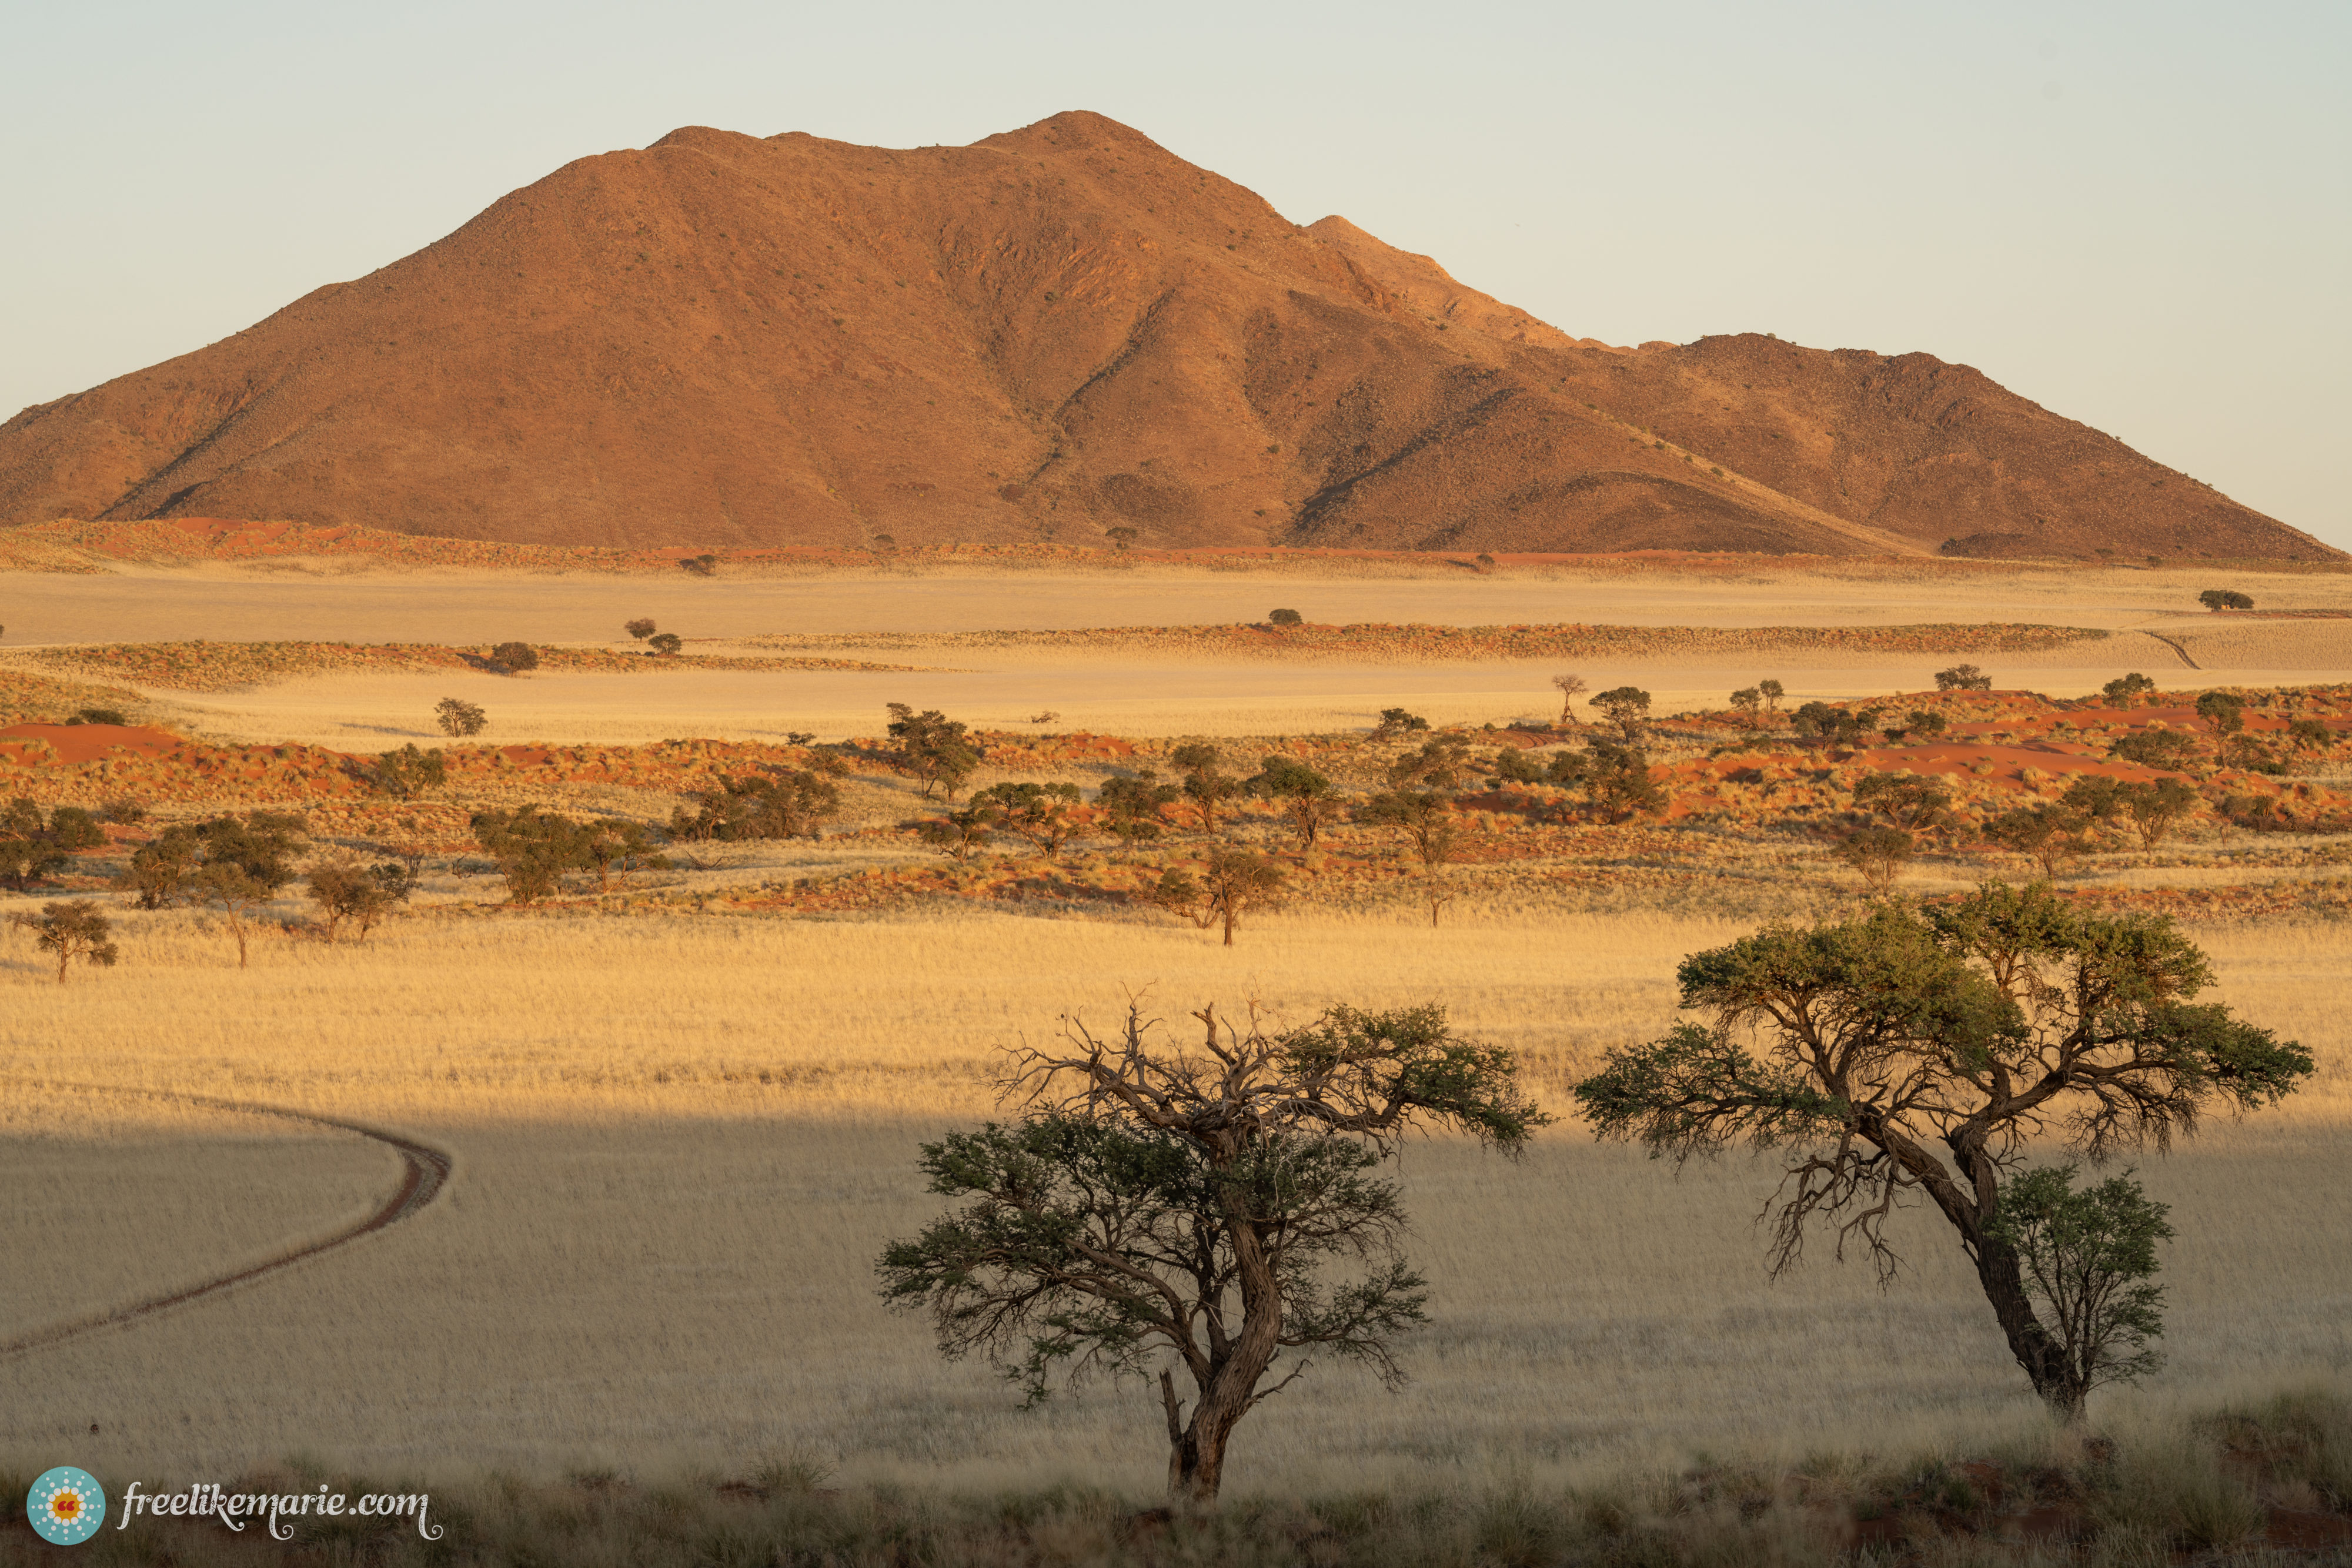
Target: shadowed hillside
(1051,333)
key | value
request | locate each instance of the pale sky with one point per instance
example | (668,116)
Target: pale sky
(2138,216)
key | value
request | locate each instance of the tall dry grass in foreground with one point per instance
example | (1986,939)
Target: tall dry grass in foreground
(680,1144)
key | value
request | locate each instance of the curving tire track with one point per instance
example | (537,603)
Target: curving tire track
(426,1171)
(2168,642)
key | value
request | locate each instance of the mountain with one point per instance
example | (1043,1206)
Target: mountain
(1051,333)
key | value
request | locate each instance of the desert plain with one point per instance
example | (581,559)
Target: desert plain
(682,1106)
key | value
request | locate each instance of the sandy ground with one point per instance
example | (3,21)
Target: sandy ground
(289,602)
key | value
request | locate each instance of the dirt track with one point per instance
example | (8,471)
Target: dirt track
(426,1170)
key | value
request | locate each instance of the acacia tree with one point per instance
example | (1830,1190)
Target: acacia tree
(72,930)
(1878,853)
(1131,803)
(932,750)
(2126,690)
(1626,707)
(1231,883)
(1976,1027)
(2087,1257)
(1045,814)
(1570,688)
(1307,796)
(1185,1209)
(1206,783)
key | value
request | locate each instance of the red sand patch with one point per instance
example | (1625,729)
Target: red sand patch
(71,743)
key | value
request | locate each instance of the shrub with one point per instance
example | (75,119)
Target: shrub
(1396,721)
(1285,617)
(665,644)
(99,715)
(640,628)
(2225,711)
(2125,690)
(1626,707)
(708,565)
(408,771)
(514,658)
(33,846)
(1963,678)
(1878,853)
(2219,599)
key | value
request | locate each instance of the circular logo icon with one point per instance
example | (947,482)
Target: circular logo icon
(65,1506)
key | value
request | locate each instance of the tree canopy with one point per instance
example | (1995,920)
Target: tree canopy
(1200,1212)
(1916,1051)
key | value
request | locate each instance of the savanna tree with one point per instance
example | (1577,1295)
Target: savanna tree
(1440,764)
(2052,836)
(515,658)
(1746,702)
(1206,783)
(1198,1214)
(458,717)
(1395,721)
(1618,785)
(641,628)
(408,771)
(1963,678)
(932,750)
(1569,687)
(960,834)
(2126,690)
(1132,804)
(1308,798)
(2165,750)
(73,931)
(1045,814)
(2156,808)
(1230,884)
(2219,599)
(1915,804)
(1773,691)
(1625,707)
(2225,711)
(34,845)
(1425,816)
(533,848)
(1915,1053)
(1878,853)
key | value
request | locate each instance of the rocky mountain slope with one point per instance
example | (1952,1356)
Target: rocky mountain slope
(1050,334)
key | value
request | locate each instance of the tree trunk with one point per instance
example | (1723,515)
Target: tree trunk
(1196,1455)
(2037,1350)
(1230,913)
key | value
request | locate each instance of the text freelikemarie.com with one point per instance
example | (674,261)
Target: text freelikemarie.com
(276,1510)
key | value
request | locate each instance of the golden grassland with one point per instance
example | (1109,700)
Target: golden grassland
(680,1141)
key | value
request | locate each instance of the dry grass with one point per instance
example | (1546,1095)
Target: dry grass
(682,1140)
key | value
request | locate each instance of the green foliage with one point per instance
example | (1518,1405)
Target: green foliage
(2225,711)
(1773,692)
(2051,836)
(960,834)
(1425,816)
(33,846)
(99,715)
(782,804)
(458,717)
(514,658)
(1285,617)
(348,892)
(1963,678)
(1926,722)
(2156,808)
(1307,796)
(1206,783)
(2310,735)
(2126,690)
(1618,785)
(533,848)
(1156,1205)
(1827,725)
(932,750)
(1045,814)
(2087,1259)
(1228,885)
(1626,707)
(665,644)
(409,771)
(2224,599)
(1440,764)
(1747,701)
(1878,853)
(2170,751)
(1132,803)
(1397,721)
(1916,804)
(1914,1052)
(72,930)
(641,628)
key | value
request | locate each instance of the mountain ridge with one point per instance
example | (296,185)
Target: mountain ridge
(1051,333)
